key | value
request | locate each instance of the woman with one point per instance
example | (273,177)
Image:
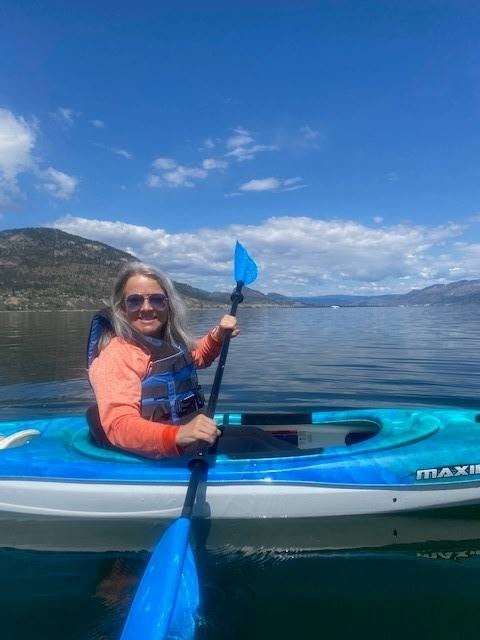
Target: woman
(142,367)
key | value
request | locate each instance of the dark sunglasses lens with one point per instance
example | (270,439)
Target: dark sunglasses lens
(158,301)
(134,303)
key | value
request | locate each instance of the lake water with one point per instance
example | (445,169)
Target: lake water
(285,360)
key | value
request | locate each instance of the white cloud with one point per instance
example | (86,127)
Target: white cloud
(153,181)
(292,184)
(240,138)
(208,143)
(174,175)
(308,133)
(17,141)
(305,138)
(248,153)
(242,148)
(58,184)
(183,176)
(299,255)
(98,124)
(164,164)
(116,150)
(261,184)
(122,152)
(272,184)
(213,163)
(65,116)
(166,172)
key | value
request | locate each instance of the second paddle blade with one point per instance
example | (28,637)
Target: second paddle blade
(167,597)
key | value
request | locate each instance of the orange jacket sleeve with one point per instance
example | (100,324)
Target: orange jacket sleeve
(206,350)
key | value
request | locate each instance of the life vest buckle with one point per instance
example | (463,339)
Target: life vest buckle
(190,404)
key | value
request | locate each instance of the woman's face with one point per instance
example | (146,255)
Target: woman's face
(144,316)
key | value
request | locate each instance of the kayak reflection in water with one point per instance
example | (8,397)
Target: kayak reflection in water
(142,366)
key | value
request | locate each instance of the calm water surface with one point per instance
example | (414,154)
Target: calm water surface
(285,359)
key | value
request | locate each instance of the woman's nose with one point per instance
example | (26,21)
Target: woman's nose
(146,304)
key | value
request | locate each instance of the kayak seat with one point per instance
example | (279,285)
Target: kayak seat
(18,439)
(97,434)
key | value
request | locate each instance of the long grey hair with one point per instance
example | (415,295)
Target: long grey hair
(174,331)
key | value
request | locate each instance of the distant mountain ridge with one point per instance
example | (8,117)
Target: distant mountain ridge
(47,269)
(342,300)
(460,292)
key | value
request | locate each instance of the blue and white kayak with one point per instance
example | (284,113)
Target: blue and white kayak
(353,462)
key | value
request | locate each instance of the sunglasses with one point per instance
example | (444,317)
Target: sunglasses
(157,301)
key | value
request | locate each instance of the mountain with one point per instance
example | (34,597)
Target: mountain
(461,292)
(337,300)
(47,269)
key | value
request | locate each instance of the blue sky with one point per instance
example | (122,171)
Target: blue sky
(339,141)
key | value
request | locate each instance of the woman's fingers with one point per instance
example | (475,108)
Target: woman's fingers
(228,323)
(204,433)
(198,428)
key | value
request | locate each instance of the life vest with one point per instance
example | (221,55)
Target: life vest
(170,390)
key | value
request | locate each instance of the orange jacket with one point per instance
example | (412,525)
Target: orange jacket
(116,377)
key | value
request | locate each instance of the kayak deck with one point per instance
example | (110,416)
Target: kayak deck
(354,447)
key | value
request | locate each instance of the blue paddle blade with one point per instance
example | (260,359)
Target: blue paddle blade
(167,599)
(245,268)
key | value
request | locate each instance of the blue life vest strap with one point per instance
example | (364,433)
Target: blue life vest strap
(101,322)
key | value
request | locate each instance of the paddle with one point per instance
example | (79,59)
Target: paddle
(167,597)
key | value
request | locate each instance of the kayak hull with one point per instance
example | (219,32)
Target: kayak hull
(244,501)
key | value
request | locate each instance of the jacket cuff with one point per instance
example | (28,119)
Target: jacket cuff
(214,334)
(169,444)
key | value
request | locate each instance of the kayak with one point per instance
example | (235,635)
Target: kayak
(359,478)
(347,463)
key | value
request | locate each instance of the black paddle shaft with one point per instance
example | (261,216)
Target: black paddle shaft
(236,298)
(199,466)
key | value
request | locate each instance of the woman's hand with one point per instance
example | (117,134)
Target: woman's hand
(227,324)
(198,429)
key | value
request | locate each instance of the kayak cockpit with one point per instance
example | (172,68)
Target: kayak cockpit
(309,439)
(305,437)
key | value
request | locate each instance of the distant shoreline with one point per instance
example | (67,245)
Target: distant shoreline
(196,308)
(273,306)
